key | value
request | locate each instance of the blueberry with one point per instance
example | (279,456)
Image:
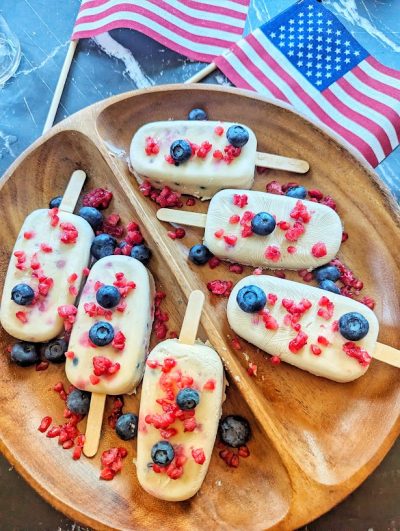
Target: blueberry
(237,135)
(101,333)
(108,296)
(234,431)
(326,272)
(199,254)
(197,114)
(353,326)
(24,354)
(78,402)
(22,294)
(180,150)
(126,426)
(162,453)
(55,350)
(55,202)
(103,245)
(93,216)
(142,253)
(263,224)
(299,192)
(328,285)
(251,299)
(188,398)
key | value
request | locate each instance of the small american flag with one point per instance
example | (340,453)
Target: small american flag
(307,58)
(199,29)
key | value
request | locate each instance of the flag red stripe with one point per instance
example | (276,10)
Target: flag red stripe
(221,10)
(150,15)
(232,74)
(382,68)
(198,56)
(259,74)
(321,114)
(378,106)
(360,119)
(375,84)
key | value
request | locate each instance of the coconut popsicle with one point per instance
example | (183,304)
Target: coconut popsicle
(46,268)
(265,230)
(321,332)
(201,157)
(110,336)
(182,394)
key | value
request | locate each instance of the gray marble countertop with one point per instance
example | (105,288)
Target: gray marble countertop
(124,60)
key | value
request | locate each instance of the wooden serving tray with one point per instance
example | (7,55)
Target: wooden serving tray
(314,441)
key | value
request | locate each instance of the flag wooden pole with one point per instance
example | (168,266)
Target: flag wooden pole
(202,73)
(60,86)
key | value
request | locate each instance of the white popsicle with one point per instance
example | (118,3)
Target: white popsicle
(302,326)
(214,165)
(305,234)
(51,251)
(187,434)
(130,320)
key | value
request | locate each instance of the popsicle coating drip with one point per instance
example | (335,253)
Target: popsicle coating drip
(116,367)
(205,172)
(300,325)
(171,367)
(50,253)
(306,234)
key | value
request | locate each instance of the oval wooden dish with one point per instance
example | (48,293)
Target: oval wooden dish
(314,441)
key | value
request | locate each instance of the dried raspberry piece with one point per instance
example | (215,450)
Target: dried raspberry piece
(190,201)
(104,366)
(198,455)
(69,233)
(326,308)
(323,341)
(300,212)
(218,154)
(272,253)
(119,341)
(319,250)
(45,423)
(345,237)
(274,187)
(151,147)
(275,360)
(230,240)
(358,353)
(294,233)
(283,225)
(252,369)
(368,301)
(46,248)
(219,130)
(219,233)
(272,298)
(298,342)
(209,385)
(328,201)
(246,231)
(99,198)
(234,219)
(214,262)
(315,194)
(29,234)
(315,350)
(240,200)
(280,274)
(269,321)
(236,268)
(291,249)
(220,287)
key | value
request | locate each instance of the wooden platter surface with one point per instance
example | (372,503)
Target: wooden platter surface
(314,441)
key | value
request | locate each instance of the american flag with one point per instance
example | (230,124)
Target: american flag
(199,29)
(307,58)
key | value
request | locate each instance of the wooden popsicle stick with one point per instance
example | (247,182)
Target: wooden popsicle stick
(387,354)
(195,219)
(192,317)
(276,162)
(94,422)
(74,188)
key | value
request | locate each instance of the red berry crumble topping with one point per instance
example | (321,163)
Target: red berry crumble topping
(111,461)
(240,200)
(220,287)
(98,198)
(358,353)
(319,250)
(151,147)
(300,212)
(69,233)
(326,308)
(298,342)
(272,253)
